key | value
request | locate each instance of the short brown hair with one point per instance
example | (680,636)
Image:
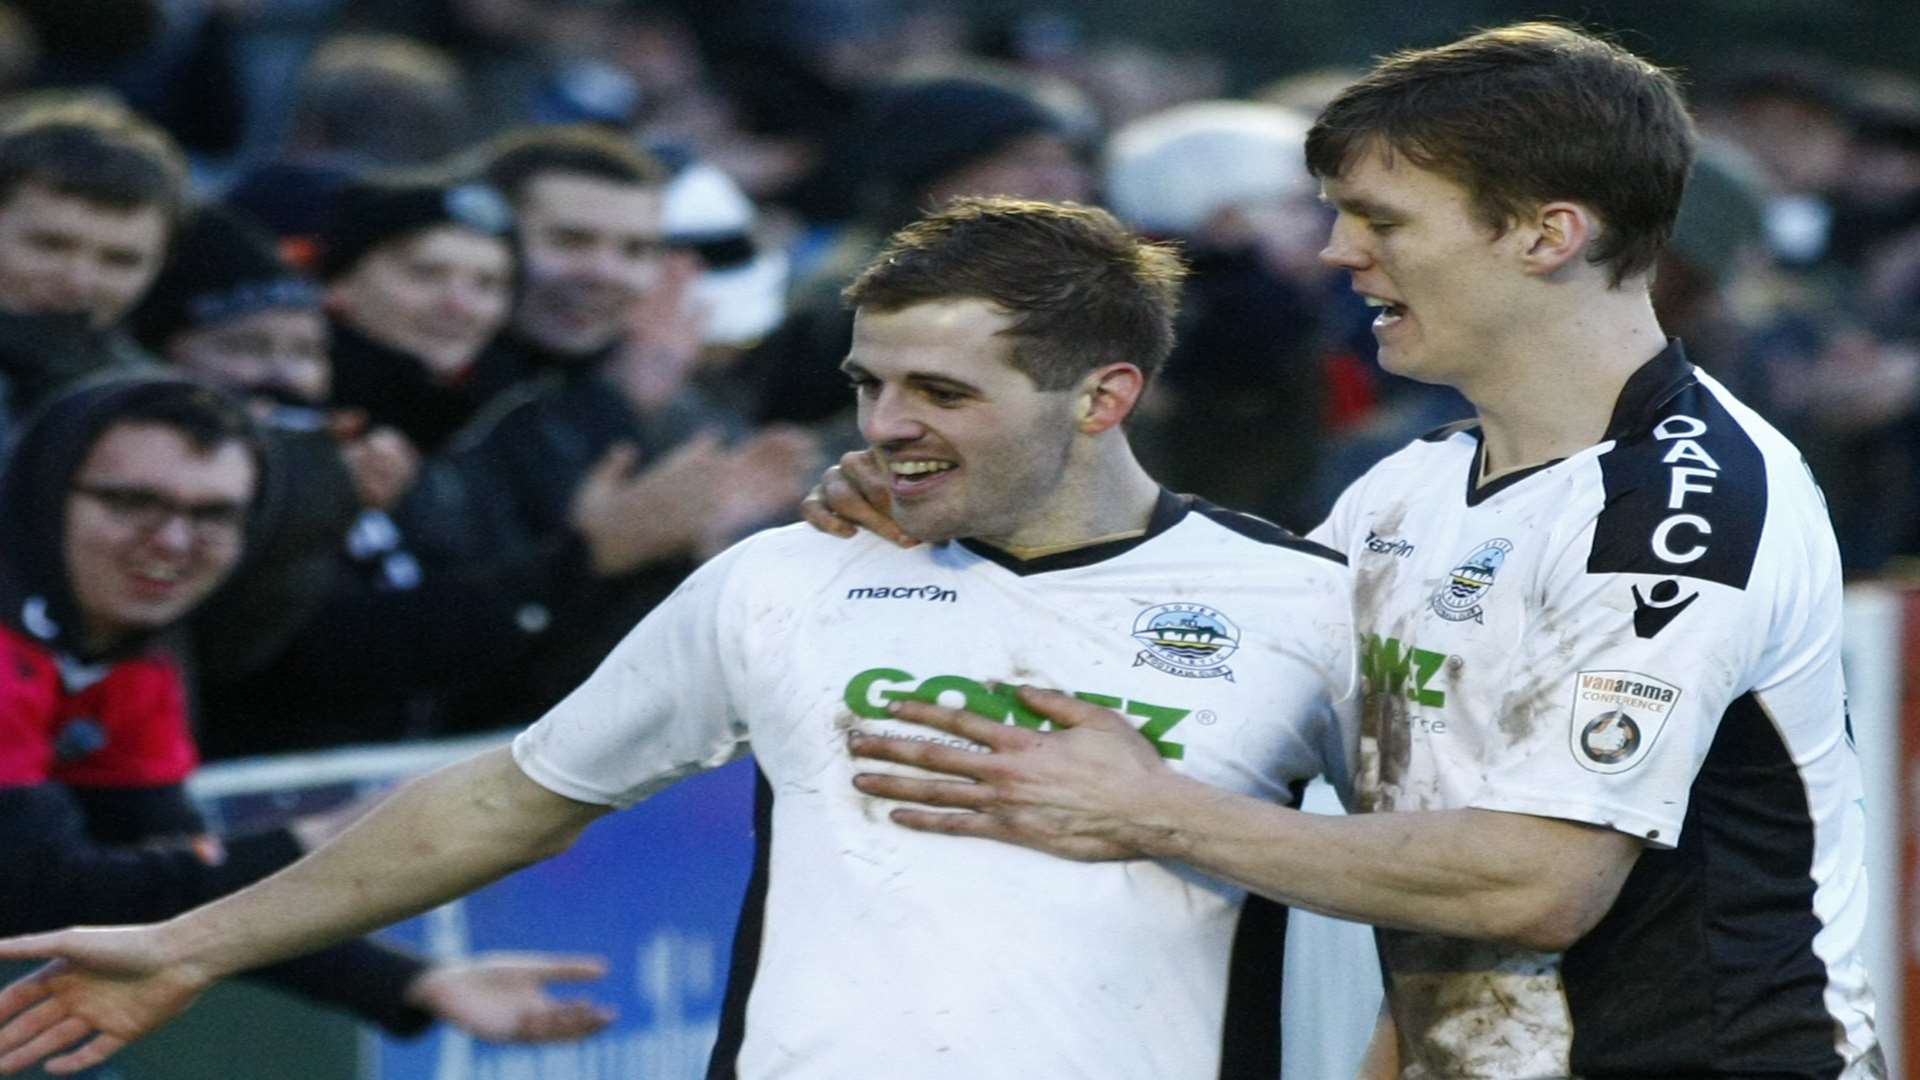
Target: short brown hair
(1523,115)
(92,150)
(1082,290)
(514,160)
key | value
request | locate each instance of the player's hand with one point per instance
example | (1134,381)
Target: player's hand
(1064,791)
(852,496)
(103,989)
(502,997)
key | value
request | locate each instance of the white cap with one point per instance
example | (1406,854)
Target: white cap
(1172,171)
(701,201)
(702,204)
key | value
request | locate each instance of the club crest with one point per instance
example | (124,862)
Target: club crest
(1192,641)
(1458,598)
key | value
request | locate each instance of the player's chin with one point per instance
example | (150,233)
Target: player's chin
(927,524)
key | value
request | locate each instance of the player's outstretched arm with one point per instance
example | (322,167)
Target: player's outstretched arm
(436,838)
(852,496)
(1094,788)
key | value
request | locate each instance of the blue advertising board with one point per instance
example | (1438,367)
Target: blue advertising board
(655,890)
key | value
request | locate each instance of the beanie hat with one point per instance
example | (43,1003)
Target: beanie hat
(222,265)
(369,213)
(920,131)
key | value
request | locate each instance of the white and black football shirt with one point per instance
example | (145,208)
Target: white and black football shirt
(867,949)
(1643,636)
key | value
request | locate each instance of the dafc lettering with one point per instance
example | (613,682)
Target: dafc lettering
(865,697)
(1684,479)
(1386,666)
(905,592)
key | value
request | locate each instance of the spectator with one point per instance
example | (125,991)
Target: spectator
(1793,116)
(598,353)
(740,293)
(364,101)
(1229,180)
(331,598)
(88,194)
(419,279)
(126,505)
(226,310)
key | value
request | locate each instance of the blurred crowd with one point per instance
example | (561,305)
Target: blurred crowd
(536,302)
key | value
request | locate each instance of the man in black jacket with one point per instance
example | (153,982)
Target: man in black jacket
(595,367)
(88,194)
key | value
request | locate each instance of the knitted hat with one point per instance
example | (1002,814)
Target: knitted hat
(369,213)
(222,265)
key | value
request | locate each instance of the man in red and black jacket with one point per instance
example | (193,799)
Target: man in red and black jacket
(123,506)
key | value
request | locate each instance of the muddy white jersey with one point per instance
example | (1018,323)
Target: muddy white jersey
(1643,636)
(869,950)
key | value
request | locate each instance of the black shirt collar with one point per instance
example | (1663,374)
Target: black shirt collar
(1168,510)
(1648,389)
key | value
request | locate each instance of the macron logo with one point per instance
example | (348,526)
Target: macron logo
(1381,545)
(932,593)
(1661,605)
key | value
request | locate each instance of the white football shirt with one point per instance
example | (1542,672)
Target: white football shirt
(877,951)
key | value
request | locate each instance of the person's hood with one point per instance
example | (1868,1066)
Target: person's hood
(36,596)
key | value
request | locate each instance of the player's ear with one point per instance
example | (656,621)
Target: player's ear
(1107,396)
(1556,234)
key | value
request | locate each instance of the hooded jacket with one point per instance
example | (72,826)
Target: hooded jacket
(95,745)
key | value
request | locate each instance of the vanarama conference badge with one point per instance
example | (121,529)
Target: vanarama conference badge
(1192,641)
(1617,715)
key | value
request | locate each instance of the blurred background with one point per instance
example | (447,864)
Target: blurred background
(795,134)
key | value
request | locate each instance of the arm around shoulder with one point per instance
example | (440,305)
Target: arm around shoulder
(1537,882)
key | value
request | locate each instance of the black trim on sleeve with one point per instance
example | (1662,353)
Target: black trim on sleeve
(1737,990)
(745,964)
(1250,1046)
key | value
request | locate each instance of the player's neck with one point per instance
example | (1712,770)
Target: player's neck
(1555,394)
(1106,496)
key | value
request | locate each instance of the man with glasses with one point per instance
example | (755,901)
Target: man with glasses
(126,504)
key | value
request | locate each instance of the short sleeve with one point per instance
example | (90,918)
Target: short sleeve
(1623,680)
(664,704)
